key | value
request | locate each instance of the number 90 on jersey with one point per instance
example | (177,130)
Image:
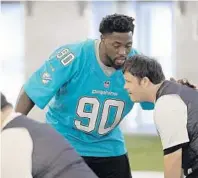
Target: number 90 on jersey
(97,112)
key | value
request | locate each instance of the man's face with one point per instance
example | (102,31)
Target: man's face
(135,87)
(117,48)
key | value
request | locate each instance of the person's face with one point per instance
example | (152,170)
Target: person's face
(117,48)
(136,88)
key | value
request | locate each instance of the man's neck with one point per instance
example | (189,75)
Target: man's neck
(154,92)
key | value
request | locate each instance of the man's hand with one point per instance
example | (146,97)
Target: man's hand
(184,82)
(173,164)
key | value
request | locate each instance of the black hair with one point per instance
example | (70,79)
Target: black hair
(116,23)
(143,66)
(4,102)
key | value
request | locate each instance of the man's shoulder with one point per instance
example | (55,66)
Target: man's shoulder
(77,48)
(169,102)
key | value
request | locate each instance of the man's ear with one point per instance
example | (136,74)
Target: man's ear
(102,37)
(145,82)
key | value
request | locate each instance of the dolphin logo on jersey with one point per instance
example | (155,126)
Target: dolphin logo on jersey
(106,84)
(46,78)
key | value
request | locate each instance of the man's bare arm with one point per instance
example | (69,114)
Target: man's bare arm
(173,164)
(24,104)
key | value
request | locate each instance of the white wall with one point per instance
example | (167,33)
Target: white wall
(186,46)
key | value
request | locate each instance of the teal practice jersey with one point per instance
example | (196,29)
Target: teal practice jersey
(85,105)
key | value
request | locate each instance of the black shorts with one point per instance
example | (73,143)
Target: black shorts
(110,167)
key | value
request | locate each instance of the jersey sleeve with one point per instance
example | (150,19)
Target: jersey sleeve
(170,117)
(61,66)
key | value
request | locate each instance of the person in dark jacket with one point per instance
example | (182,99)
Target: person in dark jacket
(175,113)
(32,149)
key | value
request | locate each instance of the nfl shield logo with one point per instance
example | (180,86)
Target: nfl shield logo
(106,84)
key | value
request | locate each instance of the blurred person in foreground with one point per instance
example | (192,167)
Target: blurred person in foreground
(31,149)
(175,113)
(85,85)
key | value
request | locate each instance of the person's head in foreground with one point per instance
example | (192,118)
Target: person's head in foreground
(6,109)
(143,76)
(116,39)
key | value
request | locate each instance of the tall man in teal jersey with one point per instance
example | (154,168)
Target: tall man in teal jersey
(85,87)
